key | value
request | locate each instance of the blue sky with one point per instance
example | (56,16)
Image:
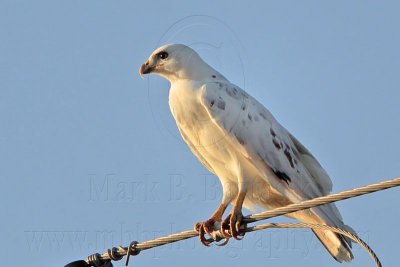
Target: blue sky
(90,156)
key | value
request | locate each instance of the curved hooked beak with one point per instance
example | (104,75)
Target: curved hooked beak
(145,68)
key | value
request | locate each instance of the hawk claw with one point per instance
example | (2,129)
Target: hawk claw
(203,228)
(225,228)
(226,240)
(231,226)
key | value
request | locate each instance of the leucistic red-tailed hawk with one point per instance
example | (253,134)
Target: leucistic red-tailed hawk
(258,162)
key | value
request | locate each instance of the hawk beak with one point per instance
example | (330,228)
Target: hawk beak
(145,69)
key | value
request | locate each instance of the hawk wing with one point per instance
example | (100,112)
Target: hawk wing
(264,142)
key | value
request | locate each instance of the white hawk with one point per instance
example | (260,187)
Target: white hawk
(259,163)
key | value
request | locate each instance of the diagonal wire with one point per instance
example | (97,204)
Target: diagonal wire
(117,253)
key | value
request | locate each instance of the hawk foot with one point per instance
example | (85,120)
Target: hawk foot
(232,226)
(208,227)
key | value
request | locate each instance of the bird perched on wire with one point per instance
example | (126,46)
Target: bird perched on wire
(259,163)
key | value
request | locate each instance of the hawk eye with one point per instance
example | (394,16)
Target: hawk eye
(162,55)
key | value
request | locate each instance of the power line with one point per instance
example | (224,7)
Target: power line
(116,253)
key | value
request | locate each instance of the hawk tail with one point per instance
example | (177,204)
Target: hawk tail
(337,245)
